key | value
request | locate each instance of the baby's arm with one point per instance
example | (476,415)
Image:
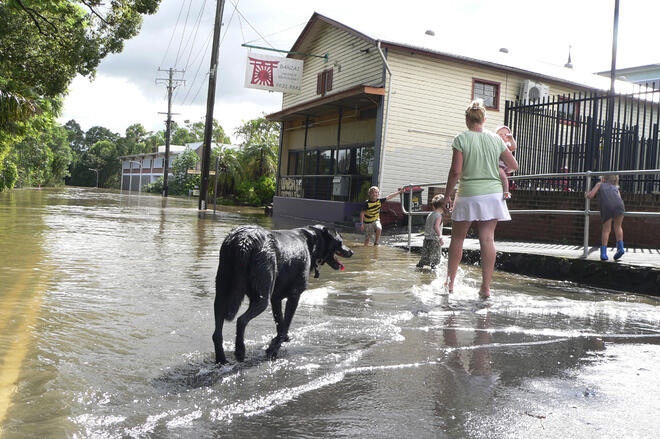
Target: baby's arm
(593,191)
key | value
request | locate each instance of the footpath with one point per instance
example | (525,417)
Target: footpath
(638,271)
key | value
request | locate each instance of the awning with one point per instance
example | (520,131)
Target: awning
(359,96)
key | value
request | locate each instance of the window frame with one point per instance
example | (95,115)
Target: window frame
(497,86)
(563,117)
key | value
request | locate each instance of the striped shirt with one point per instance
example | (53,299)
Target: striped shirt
(371,210)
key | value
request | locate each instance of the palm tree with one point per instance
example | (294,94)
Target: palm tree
(230,169)
(260,159)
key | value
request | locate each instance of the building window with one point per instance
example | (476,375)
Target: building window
(568,111)
(489,91)
(324,82)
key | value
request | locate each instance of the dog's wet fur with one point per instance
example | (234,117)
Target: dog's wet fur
(269,265)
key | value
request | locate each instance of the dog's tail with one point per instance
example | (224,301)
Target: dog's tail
(231,282)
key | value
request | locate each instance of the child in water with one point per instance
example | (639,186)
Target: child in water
(505,133)
(611,211)
(432,246)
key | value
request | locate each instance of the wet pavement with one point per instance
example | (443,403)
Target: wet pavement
(106,322)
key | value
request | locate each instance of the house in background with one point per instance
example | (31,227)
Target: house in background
(648,75)
(138,170)
(360,121)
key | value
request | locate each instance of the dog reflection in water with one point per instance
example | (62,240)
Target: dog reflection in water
(269,265)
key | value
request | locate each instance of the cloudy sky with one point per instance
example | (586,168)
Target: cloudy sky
(178,35)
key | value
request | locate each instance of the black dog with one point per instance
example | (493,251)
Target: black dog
(268,265)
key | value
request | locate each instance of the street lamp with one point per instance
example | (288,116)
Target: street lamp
(97,176)
(130,180)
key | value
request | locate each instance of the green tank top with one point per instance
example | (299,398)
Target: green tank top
(481,153)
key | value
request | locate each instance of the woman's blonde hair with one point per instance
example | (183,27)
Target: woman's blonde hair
(611,179)
(475,112)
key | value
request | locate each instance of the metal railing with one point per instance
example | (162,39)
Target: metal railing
(586,212)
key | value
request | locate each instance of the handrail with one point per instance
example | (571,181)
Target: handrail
(586,212)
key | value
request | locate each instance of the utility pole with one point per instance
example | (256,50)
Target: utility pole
(171,85)
(210,102)
(609,133)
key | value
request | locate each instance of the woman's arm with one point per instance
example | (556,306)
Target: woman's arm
(593,191)
(509,160)
(454,175)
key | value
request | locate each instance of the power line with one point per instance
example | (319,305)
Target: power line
(192,45)
(246,20)
(278,32)
(183,34)
(199,66)
(204,49)
(173,32)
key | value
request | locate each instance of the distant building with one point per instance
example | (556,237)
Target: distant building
(643,75)
(138,170)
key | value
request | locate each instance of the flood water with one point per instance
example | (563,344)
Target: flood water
(106,321)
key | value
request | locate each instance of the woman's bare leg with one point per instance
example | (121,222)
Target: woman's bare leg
(487,245)
(459,230)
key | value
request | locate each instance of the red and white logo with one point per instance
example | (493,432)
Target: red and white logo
(262,72)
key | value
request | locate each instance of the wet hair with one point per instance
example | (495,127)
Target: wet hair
(373,189)
(475,112)
(438,201)
(611,179)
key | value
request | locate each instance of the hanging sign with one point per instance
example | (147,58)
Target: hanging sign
(273,73)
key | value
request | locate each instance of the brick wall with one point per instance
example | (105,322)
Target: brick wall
(568,229)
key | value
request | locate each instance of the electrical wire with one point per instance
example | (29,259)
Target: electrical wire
(183,34)
(250,24)
(172,36)
(194,38)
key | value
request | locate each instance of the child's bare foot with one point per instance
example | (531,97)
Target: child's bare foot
(449,286)
(507,195)
(484,294)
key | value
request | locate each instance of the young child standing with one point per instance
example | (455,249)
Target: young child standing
(370,214)
(611,211)
(432,246)
(505,133)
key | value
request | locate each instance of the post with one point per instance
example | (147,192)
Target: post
(215,190)
(171,85)
(610,101)
(168,133)
(130,178)
(409,216)
(210,102)
(587,203)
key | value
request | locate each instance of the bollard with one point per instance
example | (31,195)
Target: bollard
(410,187)
(587,203)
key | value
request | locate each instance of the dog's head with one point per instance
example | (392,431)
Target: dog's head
(330,246)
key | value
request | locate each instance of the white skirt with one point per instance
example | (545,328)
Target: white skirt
(481,208)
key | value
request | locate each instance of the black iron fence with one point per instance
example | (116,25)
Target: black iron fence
(587,132)
(326,187)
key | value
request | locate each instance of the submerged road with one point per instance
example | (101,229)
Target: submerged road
(106,321)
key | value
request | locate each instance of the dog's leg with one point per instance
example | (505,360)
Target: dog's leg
(276,343)
(217,341)
(276,306)
(217,334)
(257,305)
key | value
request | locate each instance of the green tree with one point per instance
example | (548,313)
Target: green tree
(230,169)
(44,44)
(259,145)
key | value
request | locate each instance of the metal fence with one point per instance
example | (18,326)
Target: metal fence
(581,132)
(586,182)
(320,187)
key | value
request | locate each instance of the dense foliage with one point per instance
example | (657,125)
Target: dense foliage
(246,175)
(44,44)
